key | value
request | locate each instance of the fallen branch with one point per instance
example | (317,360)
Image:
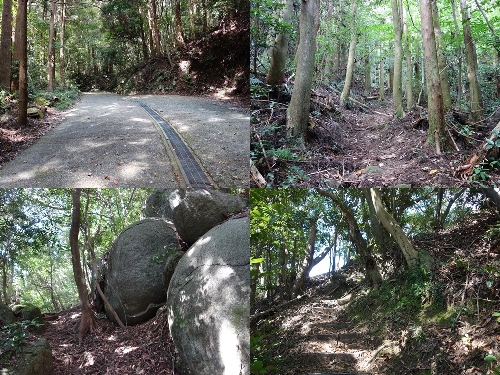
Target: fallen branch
(256,176)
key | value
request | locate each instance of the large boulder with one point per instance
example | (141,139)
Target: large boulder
(201,210)
(134,270)
(170,267)
(208,302)
(35,359)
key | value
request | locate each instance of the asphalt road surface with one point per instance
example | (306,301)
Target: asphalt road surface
(108,140)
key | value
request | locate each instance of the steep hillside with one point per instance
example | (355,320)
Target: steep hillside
(437,321)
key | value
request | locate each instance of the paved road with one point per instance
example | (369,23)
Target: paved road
(108,140)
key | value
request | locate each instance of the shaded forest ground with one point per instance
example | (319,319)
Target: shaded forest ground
(416,323)
(145,348)
(217,69)
(361,145)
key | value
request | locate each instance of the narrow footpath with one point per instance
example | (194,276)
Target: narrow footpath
(327,344)
(108,140)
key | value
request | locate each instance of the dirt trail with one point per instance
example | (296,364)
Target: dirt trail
(325,343)
(108,140)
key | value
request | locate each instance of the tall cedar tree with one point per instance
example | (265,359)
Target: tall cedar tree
(21,44)
(437,130)
(298,110)
(5,45)
(87,322)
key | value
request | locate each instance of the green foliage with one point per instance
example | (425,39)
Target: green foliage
(496,143)
(480,173)
(260,359)
(13,336)
(61,98)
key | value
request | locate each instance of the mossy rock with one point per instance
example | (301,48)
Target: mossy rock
(31,312)
(36,359)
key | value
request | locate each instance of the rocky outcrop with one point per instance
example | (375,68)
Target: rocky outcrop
(133,273)
(201,210)
(208,302)
(35,359)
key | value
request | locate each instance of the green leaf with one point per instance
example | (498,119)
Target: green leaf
(256,260)
(490,358)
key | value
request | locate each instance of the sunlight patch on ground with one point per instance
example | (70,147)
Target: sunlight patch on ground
(74,316)
(125,349)
(111,338)
(88,360)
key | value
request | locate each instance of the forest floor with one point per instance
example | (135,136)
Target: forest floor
(360,146)
(416,323)
(145,348)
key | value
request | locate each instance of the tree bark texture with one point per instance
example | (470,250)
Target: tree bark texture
(397,87)
(62,67)
(459,53)
(51,50)
(298,109)
(442,64)
(178,24)
(350,59)
(475,96)
(87,322)
(5,44)
(437,131)
(279,51)
(392,226)
(21,43)
(156,48)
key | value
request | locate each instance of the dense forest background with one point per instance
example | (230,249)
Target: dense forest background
(407,271)
(320,67)
(35,259)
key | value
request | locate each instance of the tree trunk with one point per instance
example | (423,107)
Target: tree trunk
(381,76)
(298,109)
(439,205)
(459,54)
(178,24)
(21,43)
(372,272)
(392,226)
(306,263)
(62,67)
(450,204)
(475,96)
(442,64)
(5,44)
(397,91)
(350,60)
(279,51)
(156,49)
(493,195)
(87,322)
(437,131)
(254,277)
(51,52)
(409,69)
(368,75)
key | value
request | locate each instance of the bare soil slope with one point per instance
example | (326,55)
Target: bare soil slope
(362,145)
